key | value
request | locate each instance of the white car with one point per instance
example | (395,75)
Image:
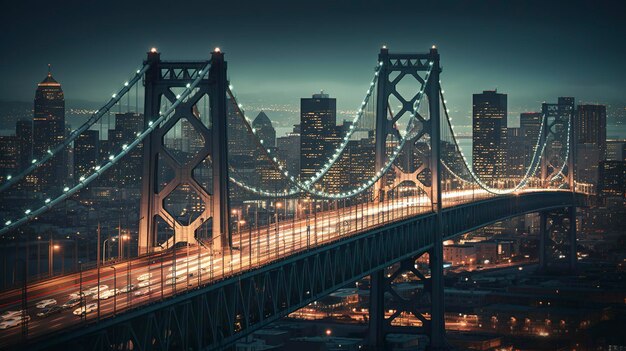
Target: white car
(12,322)
(170,281)
(108,293)
(144,283)
(141,292)
(46,303)
(145,276)
(128,288)
(10,314)
(71,303)
(85,309)
(94,290)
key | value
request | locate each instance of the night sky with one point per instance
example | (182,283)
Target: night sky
(279,51)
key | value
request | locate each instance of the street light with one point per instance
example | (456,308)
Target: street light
(121,244)
(278,206)
(53,247)
(104,245)
(239,224)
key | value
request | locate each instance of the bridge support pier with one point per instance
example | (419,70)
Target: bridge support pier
(386,119)
(377,311)
(419,304)
(557,238)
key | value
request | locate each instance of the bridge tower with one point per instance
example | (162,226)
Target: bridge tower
(559,156)
(395,68)
(162,80)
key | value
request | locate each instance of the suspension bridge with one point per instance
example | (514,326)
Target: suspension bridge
(229,240)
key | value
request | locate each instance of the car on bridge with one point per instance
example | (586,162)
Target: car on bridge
(142,292)
(128,288)
(71,303)
(108,293)
(94,290)
(13,322)
(46,303)
(50,311)
(83,310)
(144,283)
(10,314)
(145,276)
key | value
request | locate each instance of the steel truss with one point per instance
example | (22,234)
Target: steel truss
(557,237)
(559,131)
(217,315)
(419,304)
(161,79)
(395,68)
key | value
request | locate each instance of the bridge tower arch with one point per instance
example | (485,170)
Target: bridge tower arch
(425,68)
(162,79)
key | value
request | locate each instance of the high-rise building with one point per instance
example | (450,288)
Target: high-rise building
(264,129)
(192,140)
(86,153)
(318,133)
(612,179)
(587,160)
(616,150)
(489,132)
(127,125)
(516,157)
(591,126)
(24,134)
(288,150)
(529,124)
(9,147)
(49,131)
(242,150)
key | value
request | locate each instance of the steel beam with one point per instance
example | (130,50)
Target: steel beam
(160,78)
(218,314)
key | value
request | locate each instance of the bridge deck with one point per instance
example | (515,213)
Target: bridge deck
(257,251)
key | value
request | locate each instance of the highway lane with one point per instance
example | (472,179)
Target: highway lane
(196,266)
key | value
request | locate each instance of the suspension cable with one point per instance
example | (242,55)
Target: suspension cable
(307,187)
(77,132)
(112,160)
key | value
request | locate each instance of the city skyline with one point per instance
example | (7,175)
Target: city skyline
(456,194)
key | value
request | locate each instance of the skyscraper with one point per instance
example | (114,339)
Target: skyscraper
(288,149)
(24,134)
(8,156)
(48,131)
(318,116)
(86,153)
(529,124)
(489,131)
(616,150)
(516,160)
(612,179)
(265,130)
(591,126)
(126,126)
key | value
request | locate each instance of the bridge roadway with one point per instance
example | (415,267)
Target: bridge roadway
(195,266)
